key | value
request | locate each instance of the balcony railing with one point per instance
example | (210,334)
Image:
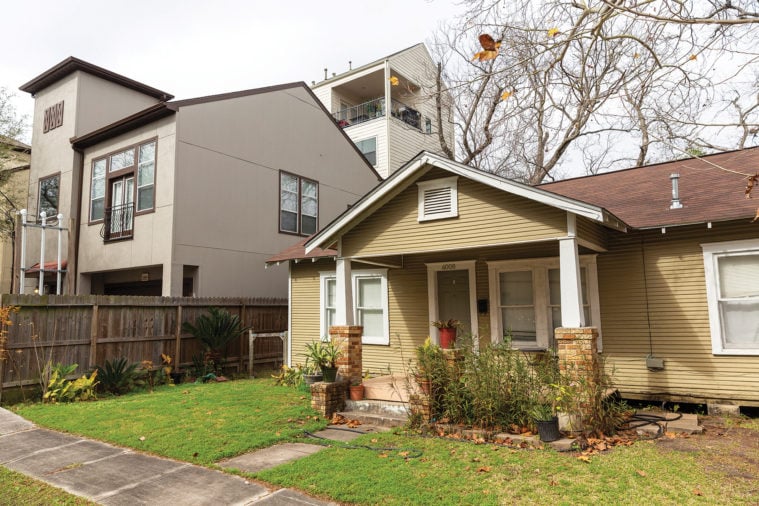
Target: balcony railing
(376,109)
(118,222)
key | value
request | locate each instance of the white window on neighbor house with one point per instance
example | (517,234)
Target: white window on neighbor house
(526,300)
(370,304)
(298,204)
(438,199)
(368,148)
(732,290)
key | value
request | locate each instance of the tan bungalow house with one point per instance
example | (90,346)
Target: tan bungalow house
(179,197)
(663,260)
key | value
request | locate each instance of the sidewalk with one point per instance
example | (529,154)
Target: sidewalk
(116,476)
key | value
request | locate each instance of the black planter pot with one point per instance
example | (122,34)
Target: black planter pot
(176,377)
(330,374)
(548,429)
(310,379)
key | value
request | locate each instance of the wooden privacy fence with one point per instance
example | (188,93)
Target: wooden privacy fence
(90,329)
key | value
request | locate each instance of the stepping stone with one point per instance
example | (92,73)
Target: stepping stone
(344,433)
(273,456)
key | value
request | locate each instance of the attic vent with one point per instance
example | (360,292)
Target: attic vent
(438,199)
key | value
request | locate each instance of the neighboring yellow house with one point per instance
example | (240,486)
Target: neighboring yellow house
(662,259)
(15,157)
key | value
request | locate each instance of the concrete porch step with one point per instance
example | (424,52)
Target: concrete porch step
(379,413)
(687,423)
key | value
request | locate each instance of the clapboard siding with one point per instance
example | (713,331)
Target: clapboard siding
(304,301)
(674,291)
(487,216)
(592,232)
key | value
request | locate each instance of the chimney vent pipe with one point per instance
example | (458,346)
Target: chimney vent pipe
(676,204)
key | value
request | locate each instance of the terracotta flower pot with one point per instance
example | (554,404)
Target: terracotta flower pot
(357,392)
(447,338)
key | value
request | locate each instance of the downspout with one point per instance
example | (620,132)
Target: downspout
(73,249)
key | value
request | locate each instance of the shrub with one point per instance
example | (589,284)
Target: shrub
(119,377)
(61,389)
(215,330)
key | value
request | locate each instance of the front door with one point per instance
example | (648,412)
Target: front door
(122,206)
(453,298)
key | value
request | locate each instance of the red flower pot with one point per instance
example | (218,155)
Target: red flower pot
(447,338)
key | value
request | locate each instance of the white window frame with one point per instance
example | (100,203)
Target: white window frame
(712,252)
(361,143)
(541,296)
(450,183)
(355,276)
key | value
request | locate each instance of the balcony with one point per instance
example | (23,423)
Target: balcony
(118,222)
(376,109)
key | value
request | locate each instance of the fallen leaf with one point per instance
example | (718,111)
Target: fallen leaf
(553,32)
(584,458)
(374,440)
(382,455)
(756,217)
(403,454)
(697,491)
(142,438)
(641,473)
(484,469)
(393,81)
(476,459)
(553,482)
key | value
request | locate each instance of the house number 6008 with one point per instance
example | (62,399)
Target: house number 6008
(449,267)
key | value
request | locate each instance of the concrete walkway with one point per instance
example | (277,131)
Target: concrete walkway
(111,475)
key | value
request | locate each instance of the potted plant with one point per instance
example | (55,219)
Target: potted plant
(447,330)
(546,421)
(311,372)
(324,355)
(356,390)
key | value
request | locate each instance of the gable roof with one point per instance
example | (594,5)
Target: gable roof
(72,64)
(297,252)
(424,161)
(641,196)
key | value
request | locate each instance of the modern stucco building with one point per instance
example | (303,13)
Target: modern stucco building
(183,197)
(389,107)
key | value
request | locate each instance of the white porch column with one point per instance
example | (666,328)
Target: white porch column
(572,314)
(344,289)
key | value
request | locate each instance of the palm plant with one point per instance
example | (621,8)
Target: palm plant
(215,330)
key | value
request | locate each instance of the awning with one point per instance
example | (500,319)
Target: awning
(48,267)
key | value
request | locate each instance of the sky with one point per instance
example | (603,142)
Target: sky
(193,48)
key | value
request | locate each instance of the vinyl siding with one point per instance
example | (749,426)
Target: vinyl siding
(677,315)
(591,232)
(375,128)
(304,305)
(487,216)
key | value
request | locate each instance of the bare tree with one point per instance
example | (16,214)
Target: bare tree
(599,82)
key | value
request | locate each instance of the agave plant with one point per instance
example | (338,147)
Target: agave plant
(215,330)
(119,377)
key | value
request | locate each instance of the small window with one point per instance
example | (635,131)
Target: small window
(49,190)
(368,148)
(732,290)
(298,204)
(438,199)
(370,303)
(428,126)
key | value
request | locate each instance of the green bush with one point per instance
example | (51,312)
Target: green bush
(119,377)
(61,389)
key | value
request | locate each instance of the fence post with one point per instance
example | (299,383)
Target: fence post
(94,337)
(178,337)
(242,337)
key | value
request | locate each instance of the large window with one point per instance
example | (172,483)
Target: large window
(370,304)
(369,149)
(526,299)
(49,191)
(113,191)
(732,290)
(298,204)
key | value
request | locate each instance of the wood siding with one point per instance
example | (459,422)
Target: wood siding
(591,232)
(487,216)
(665,273)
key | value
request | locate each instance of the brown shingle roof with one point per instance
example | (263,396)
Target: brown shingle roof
(641,196)
(298,252)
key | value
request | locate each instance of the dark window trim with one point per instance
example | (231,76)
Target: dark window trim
(299,213)
(132,169)
(39,185)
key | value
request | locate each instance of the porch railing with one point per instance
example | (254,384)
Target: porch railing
(118,222)
(375,108)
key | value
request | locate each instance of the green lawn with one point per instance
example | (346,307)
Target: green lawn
(455,472)
(199,423)
(20,489)
(205,423)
